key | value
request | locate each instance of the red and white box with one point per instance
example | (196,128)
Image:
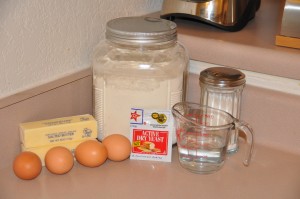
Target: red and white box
(151,134)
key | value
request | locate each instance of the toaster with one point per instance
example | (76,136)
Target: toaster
(229,15)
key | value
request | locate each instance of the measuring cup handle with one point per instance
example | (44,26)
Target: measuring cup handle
(244,127)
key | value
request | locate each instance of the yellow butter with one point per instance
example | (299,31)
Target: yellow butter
(41,151)
(58,131)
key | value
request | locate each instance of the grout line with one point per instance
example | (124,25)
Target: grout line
(44,87)
(261,80)
(39,93)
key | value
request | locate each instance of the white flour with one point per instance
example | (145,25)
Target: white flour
(116,95)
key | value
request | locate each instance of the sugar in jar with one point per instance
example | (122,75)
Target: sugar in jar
(139,64)
(221,88)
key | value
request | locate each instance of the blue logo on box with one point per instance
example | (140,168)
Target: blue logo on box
(136,116)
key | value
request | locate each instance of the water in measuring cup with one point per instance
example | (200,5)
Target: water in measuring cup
(202,154)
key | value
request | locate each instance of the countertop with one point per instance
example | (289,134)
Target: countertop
(272,174)
(253,48)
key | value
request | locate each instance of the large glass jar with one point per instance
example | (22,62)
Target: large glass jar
(139,65)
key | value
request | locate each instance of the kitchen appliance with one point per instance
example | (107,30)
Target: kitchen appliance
(289,35)
(229,15)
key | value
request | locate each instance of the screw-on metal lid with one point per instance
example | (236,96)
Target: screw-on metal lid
(141,30)
(222,77)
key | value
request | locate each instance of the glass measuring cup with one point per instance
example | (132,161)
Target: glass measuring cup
(202,136)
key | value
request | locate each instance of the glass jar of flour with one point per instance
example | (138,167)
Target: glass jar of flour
(140,64)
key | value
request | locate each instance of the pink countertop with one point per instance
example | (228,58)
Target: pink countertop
(252,48)
(272,174)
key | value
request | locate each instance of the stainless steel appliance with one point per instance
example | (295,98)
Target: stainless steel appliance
(289,35)
(290,25)
(230,15)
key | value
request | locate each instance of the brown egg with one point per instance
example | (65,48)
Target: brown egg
(91,153)
(27,165)
(59,160)
(118,147)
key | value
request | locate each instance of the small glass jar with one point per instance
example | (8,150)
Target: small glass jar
(139,65)
(222,88)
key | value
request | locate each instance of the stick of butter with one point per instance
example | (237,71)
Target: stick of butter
(58,131)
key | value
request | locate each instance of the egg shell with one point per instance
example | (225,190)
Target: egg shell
(27,165)
(91,153)
(118,147)
(59,160)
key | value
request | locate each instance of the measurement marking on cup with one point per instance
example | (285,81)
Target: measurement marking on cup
(203,148)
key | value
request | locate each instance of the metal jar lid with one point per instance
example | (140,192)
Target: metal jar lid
(141,30)
(222,77)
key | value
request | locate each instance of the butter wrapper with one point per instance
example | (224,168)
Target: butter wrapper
(58,131)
